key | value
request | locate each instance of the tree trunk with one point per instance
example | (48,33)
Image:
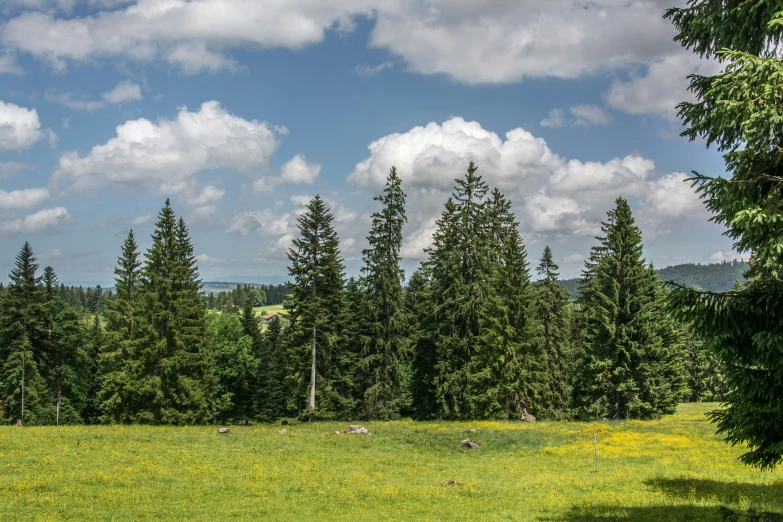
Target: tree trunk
(312,378)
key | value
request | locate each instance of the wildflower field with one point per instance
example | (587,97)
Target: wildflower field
(672,469)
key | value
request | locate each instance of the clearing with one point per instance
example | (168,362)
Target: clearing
(672,469)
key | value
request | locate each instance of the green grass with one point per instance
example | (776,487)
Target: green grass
(672,469)
(271,309)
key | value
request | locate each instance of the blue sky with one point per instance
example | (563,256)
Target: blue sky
(241,111)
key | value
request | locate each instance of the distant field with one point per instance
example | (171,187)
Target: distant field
(271,309)
(674,469)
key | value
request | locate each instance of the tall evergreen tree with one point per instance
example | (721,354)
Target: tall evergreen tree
(23,340)
(740,111)
(502,368)
(552,310)
(318,358)
(631,365)
(262,378)
(383,352)
(122,360)
(458,266)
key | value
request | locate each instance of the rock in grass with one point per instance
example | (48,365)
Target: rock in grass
(471,430)
(282,432)
(451,482)
(526,416)
(467,443)
(355,428)
(224,431)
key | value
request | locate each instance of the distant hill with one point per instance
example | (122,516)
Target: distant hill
(712,277)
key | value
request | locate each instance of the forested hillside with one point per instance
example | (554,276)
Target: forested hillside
(711,277)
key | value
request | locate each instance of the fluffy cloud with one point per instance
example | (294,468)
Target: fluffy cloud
(589,115)
(508,41)
(164,156)
(190,34)
(19,127)
(125,91)
(661,88)
(22,199)
(262,222)
(204,259)
(553,196)
(555,118)
(44,221)
(8,64)
(205,203)
(296,171)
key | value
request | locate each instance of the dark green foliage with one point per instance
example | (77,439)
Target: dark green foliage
(706,380)
(24,338)
(503,371)
(120,363)
(236,368)
(457,267)
(422,343)
(273,365)
(741,111)
(316,312)
(631,367)
(382,314)
(552,310)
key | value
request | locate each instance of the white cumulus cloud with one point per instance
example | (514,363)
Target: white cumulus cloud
(164,156)
(19,127)
(22,199)
(44,221)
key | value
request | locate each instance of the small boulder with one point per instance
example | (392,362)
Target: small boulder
(467,443)
(224,431)
(355,428)
(18,422)
(451,482)
(526,416)
(471,430)
(282,432)
(338,432)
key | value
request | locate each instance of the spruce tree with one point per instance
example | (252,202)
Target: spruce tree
(631,367)
(740,111)
(262,378)
(502,369)
(23,340)
(458,265)
(123,363)
(275,356)
(383,353)
(552,311)
(321,377)
(421,370)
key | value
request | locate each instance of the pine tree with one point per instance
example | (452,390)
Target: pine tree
(92,411)
(122,361)
(383,353)
(315,312)
(458,265)
(421,371)
(23,340)
(552,310)
(631,365)
(502,369)
(740,111)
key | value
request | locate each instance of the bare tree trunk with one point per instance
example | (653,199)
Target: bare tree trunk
(312,377)
(24,363)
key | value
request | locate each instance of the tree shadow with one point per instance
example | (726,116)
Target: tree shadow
(640,514)
(769,496)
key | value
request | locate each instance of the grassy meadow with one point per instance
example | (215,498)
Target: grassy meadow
(672,469)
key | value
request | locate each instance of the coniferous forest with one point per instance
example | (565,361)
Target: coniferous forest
(477,331)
